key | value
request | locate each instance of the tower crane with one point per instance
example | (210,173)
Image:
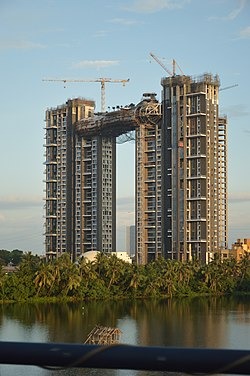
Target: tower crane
(164,67)
(103,81)
(174,69)
(161,64)
(228,87)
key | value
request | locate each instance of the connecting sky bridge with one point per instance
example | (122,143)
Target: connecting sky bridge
(122,121)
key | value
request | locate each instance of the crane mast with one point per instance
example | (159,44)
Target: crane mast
(103,81)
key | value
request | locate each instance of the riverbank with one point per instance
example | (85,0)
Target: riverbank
(109,278)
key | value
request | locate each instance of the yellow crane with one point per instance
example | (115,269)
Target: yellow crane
(103,81)
(173,73)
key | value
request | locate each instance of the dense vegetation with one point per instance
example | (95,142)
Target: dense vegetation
(109,277)
(10,257)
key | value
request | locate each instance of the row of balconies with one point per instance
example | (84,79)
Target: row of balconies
(150,178)
(196,240)
(195,177)
(50,216)
(88,171)
(195,135)
(50,144)
(195,154)
(50,180)
(196,198)
(196,218)
(50,126)
(149,165)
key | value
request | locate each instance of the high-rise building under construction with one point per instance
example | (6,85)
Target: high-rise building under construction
(194,168)
(80,184)
(181,173)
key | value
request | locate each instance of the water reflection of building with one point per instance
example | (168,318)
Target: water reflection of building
(181,323)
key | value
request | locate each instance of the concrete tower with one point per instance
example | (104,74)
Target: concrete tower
(79,184)
(194,169)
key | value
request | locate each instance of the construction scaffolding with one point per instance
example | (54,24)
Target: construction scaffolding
(124,120)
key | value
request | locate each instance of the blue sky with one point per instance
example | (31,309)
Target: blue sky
(91,39)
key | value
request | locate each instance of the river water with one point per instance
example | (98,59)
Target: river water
(199,322)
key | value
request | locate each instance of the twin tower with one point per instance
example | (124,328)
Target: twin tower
(181,174)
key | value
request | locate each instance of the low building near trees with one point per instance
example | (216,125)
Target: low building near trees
(240,248)
(91,255)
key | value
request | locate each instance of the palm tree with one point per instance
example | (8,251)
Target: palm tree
(244,272)
(138,279)
(25,276)
(73,279)
(169,277)
(29,263)
(68,277)
(2,280)
(114,269)
(44,278)
(87,271)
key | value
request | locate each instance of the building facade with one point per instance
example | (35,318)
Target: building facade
(194,169)
(130,240)
(79,184)
(148,181)
(240,249)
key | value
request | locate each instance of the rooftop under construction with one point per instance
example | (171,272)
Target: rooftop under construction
(126,119)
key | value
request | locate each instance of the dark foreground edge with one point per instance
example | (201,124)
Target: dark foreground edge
(188,360)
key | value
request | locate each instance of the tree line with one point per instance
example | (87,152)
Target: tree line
(10,257)
(109,277)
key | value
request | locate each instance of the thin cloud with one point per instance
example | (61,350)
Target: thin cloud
(53,30)
(95,63)
(125,204)
(101,33)
(233,14)
(18,202)
(19,45)
(152,6)
(124,21)
(244,33)
(22,229)
(240,197)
